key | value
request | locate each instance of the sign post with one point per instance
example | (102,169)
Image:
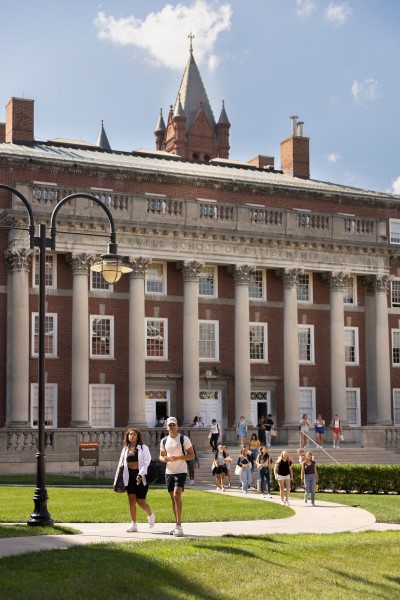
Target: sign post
(89,456)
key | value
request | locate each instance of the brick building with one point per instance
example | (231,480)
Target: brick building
(254,289)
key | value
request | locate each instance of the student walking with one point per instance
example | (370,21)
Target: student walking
(284,475)
(175,450)
(135,459)
(263,462)
(309,475)
(215,433)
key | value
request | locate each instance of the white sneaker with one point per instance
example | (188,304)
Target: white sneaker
(283,502)
(333,446)
(287,503)
(262,495)
(132,528)
(191,482)
(337,446)
(269,496)
(151,519)
(178,531)
(222,489)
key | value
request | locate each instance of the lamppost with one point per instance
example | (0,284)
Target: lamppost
(112,268)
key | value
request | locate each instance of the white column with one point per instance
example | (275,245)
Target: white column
(137,341)
(191,385)
(337,346)
(18,342)
(290,346)
(370,345)
(242,276)
(383,386)
(80,264)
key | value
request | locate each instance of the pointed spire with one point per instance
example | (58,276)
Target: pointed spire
(223,118)
(192,92)
(160,123)
(179,112)
(102,141)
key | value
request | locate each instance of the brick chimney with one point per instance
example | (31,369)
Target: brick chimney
(295,152)
(19,121)
(261,162)
(2,133)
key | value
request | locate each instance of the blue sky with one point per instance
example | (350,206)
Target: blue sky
(335,64)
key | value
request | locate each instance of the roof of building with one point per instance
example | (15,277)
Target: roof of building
(164,163)
(192,93)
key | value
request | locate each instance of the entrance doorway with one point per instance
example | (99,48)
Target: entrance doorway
(260,406)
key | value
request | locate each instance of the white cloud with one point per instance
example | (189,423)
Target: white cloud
(206,19)
(395,189)
(365,91)
(304,8)
(334,157)
(338,13)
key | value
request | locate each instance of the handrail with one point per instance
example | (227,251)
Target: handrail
(320,447)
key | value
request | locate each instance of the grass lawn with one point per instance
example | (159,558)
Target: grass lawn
(94,505)
(350,566)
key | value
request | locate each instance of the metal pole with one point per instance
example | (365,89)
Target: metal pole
(40,515)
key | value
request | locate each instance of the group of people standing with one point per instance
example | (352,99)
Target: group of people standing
(319,427)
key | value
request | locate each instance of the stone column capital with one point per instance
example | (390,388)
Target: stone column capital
(242,273)
(80,263)
(290,277)
(18,260)
(336,279)
(190,270)
(139,266)
(376,284)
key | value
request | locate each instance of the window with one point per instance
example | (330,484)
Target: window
(257,285)
(353,416)
(258,342)
(208,340)
(350,291)
(156,280)
(50,271)
(307,403)
(304,287)
(395,295)
(351,345)
(101,405)
(102,337)
(394,226)
(396,406)
(208,282)
(306,343)
(50,335)
(396,347)
(50,404)
(97,282)
(157,338)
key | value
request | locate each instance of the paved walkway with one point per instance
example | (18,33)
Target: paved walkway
(326,517)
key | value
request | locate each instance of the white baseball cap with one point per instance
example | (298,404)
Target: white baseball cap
(172,420)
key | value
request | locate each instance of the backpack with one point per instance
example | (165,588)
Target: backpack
(181,440)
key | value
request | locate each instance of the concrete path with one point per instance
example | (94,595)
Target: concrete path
(326,517)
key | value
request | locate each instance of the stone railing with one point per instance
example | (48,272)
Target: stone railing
(200,213)
(392,438)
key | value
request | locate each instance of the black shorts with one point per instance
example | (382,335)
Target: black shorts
(175,480)
(138,489)
(219,470)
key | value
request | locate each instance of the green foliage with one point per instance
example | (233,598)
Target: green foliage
(371,479)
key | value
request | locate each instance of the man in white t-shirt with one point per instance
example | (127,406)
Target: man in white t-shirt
(175,452)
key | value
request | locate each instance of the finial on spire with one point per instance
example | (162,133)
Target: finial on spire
(191,38)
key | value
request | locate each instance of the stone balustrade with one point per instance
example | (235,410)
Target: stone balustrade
(205,214)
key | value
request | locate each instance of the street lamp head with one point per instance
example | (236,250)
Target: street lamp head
(112,267)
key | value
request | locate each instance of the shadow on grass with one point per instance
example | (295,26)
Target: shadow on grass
(23,530)
(103,571)
(381,590)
